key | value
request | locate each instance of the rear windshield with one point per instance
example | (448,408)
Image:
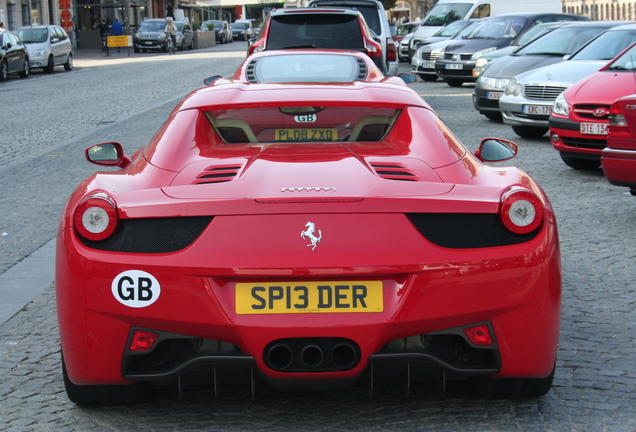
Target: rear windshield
(309,68)
(300,124)
(337,31)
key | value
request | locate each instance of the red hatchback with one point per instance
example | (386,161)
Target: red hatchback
(619,157)
(580,115)
(328,28)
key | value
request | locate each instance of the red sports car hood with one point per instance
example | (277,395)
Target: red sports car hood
(342,174)
(602,87)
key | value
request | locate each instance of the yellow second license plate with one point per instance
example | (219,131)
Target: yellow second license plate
(308,297)
(307,134)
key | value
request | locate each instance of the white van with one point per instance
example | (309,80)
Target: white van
(447,11)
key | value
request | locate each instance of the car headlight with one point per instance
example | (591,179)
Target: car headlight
(481,62)
(561,106)
(513,88)
(440,53)
(494,83)
(37,52)
(482,52)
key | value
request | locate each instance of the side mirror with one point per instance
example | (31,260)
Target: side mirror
(496,150)
(107,154)
(210,80)
(407,77)
(55,40)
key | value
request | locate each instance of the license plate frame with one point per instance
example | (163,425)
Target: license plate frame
(305,134)
(304,297)
(454,66)
(494,95)
(536,109)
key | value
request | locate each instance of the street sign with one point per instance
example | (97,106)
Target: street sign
(66,15)
(119,41)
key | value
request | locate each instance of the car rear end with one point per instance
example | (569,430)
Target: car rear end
(619,157)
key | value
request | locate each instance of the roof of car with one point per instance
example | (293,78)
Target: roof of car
(314,10)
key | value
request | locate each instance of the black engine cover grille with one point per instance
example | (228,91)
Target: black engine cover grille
(465,230)
(152,235)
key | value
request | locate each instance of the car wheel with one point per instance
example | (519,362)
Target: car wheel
(25,69)
(136,49)
(509,388)
(454,82)
(90,395)
(68,66)
(580,163)
(428,78)
(49,65)
(4,71)
(530,131)
(494,116)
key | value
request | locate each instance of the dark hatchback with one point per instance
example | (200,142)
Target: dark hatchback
(14,57)
(456,63)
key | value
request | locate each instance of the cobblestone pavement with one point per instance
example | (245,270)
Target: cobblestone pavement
(595,382)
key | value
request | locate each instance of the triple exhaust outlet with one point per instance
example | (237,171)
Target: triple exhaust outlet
(312,355)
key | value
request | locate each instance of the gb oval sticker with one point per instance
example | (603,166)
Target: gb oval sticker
(136,288)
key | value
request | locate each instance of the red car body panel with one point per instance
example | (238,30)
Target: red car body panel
(589,101)
(619,157)
(254,236)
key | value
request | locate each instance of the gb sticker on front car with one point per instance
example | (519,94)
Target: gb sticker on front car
(136,288)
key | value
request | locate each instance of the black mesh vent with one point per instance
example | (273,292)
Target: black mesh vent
(249,72)
(465,231)
(152,235)
(393,171)
(588,143)
(169,354)
(451,349)
(362,70)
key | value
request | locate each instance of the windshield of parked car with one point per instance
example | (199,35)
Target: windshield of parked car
(561,41)
(606,46)
(239,26)
(532,34)
(152,26)
(405,29)
(33,35)
(212,25)
(309,68)
(314,30)
(446,13)
(499,28)
(626,62)
(453,28)
(303,124)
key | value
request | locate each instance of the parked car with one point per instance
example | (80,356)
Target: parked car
(220,28)
(528,98)
(580,115)
(423,61)
(403,40)
(456,63)
(376,18)
(48,46)
(523,39)
(238,241)
(151,36)
(242,30)
(330,28)
(548,49)
(185,35)
(14,57)
(444,34)
(310,65)
(618,159)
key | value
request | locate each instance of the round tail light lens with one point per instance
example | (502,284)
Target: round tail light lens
(95,218)
(521,211)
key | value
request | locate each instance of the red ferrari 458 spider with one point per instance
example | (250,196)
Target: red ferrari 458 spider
(306,235)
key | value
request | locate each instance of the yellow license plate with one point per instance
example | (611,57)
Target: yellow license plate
(307,134)
(308,297)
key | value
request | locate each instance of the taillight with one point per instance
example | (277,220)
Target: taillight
(618,127)
(95,217)
(374,50)
(521,211)
(391,50)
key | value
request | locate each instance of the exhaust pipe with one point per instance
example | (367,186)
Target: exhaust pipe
(311,356)
(344,355)
(280,356)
